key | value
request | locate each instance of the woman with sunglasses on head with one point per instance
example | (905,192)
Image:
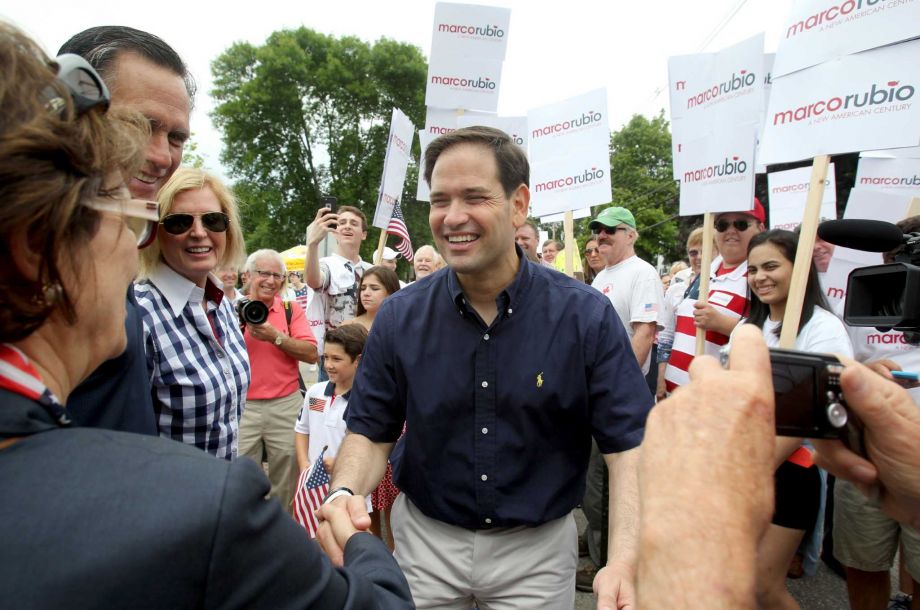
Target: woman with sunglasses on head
(196,356)
(96,518)
(799,488)
(728,294)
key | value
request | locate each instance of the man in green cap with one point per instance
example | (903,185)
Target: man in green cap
(631,284)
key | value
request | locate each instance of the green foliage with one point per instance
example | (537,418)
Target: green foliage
(190,154)
(640,161)
(305,115)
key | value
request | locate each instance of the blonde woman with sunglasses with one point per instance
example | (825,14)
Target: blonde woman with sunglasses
(196,356)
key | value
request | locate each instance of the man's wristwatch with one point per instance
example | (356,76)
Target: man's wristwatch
(279,339)
(335,493)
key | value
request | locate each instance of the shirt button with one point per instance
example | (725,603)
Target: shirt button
(485,384)
(485,430)
(488,520)
(220,354)
(509,311)
(484,477)
(485,337)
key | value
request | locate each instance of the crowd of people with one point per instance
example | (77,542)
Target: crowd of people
(460,414)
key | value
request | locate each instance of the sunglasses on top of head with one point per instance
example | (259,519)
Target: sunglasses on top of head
(177,224)
(741,225)
(87,91)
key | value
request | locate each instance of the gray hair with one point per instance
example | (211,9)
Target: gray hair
(265,253)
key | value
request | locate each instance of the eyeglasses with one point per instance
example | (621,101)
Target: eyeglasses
(177,224)
(723,225)
(590,251)
(269,274)
(609,231)
(693,253)
(87,91)
(141,216)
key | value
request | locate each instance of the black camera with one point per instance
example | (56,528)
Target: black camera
(809,400)
(251,312)
(883,296)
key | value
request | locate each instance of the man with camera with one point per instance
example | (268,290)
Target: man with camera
(275,346)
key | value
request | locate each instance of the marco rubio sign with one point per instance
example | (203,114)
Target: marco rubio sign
(455,82)
(467,30)
(820,30)
(515,126)
(719,173)
(569,127)
(788,193)
(859,102)
(901,175)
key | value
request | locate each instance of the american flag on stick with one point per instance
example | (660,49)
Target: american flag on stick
(312,487)
(398,228)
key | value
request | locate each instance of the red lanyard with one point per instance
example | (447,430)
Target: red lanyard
(19,375)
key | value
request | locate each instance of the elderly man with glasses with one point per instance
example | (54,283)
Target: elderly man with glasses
(276,348)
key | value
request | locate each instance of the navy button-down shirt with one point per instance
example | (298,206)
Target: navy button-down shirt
(499,418)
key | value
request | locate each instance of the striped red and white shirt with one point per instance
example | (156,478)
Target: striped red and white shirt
(728,294)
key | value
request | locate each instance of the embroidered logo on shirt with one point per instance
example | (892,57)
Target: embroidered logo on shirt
(317,404)
(540,379)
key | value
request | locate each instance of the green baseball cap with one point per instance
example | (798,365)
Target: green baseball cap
(612,217)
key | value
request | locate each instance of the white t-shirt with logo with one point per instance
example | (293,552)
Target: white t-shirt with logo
(635,290)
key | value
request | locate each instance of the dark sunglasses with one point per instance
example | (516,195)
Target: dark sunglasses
(177,224)
(609,231)
(590,251)
(87,91)
(723,225)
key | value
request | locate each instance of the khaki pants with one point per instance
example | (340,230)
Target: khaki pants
(267,428)
(497,569)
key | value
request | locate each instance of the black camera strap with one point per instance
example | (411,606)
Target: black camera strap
(288,312)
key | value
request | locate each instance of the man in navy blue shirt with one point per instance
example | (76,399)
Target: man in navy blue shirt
(502,370)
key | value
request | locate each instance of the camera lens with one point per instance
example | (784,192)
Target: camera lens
(252,312)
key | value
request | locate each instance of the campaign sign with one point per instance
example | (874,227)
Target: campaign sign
(858,102)
(788,192)
(568,183)
(421,191)
(900,175)
(571,127)
(723,86)
(458,82)
(439,121)
(514,126)
(395,164)
(468,30)
(576,214)
(719,174)
(821,30)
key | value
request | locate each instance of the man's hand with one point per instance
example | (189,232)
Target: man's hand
(328,463)
(614,588)
(340,520)
(321,225)
(706,481)
(264,332)
(892,438)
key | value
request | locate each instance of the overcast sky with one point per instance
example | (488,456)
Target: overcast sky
(555,50)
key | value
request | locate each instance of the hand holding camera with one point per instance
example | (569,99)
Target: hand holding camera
(326,221)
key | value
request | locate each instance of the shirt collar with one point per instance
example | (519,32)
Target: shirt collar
(512,296)
(346,261)
(330,391)
(179,290)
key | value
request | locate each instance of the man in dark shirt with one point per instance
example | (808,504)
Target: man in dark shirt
(500,392)
(144,74)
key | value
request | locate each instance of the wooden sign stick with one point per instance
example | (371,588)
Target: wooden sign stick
(380,246)
(705,264)
(568,227)
(802,265)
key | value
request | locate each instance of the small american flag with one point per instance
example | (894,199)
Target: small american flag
(312,487)
(398,228)
(317,404)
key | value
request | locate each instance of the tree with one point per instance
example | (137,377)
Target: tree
(190,155)
(642,179)
(307,114)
